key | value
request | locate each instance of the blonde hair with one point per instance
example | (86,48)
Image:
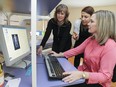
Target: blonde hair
(106,26)
(60,8)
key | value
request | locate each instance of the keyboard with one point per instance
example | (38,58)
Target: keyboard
(53,67)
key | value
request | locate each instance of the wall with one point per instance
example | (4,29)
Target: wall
(75,13)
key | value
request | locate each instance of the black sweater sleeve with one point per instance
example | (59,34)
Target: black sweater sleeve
(47,33)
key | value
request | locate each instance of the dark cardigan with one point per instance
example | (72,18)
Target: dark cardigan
(61,36)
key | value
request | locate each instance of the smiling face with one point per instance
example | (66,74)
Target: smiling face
(61,13)
(92,25)
(85,17)
(61,16)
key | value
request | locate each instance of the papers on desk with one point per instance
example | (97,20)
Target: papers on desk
(13,83)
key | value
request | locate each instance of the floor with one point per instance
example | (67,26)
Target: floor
(72,61)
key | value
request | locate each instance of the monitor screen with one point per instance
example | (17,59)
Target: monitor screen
(14,44)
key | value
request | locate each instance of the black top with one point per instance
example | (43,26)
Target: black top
(61,36)
(83,34)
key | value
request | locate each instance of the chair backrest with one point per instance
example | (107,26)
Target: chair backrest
(114,75)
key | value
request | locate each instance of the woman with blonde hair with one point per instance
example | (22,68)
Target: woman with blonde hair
(99,52)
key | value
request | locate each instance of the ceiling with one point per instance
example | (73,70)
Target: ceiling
(44,7)
(83,3)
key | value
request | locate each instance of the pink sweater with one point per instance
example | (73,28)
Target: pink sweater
(98,60)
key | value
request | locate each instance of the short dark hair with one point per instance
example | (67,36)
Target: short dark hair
(60,8)
(88,9)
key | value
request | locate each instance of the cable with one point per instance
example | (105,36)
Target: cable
(25,63)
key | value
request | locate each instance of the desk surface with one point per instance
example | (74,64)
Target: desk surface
(42,78)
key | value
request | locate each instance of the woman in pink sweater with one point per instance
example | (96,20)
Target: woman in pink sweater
(99,52)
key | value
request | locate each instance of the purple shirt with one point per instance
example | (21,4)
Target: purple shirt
(98,60)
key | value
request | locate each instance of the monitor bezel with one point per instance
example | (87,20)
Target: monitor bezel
(3,45)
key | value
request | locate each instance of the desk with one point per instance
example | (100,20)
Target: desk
(42,78)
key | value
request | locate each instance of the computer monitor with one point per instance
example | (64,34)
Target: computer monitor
(14,45)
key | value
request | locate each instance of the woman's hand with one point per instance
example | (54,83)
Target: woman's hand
(72,76)
(56,54)
(39,50)
(75,36)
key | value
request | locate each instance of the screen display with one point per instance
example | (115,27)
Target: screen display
(15,41)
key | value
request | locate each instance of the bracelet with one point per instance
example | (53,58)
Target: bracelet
(83,75)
